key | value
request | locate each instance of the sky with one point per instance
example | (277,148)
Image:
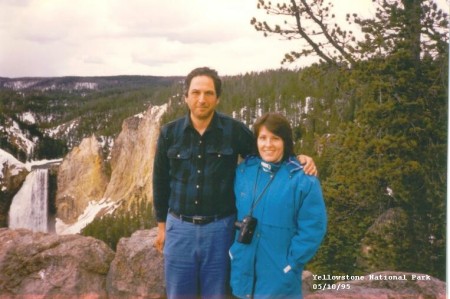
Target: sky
(49,38)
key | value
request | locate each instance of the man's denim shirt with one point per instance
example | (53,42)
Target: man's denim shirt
(194,174)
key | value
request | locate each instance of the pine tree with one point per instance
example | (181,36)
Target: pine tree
(390,157)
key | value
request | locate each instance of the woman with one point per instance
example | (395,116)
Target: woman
(281,216)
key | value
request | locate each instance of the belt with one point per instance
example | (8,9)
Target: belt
(200,220)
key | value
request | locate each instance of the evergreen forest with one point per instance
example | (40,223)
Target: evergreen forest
(372,112)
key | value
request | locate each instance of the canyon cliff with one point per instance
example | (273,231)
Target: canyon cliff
(84,180)
(132,157)
(81,179)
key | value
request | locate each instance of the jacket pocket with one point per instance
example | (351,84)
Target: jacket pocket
(242,275)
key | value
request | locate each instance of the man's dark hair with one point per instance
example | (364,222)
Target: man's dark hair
(204,71)
(278,125)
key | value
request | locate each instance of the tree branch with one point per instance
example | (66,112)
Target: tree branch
(303,34)
(324,29)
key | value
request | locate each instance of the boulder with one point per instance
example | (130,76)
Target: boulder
(383,285)
(40,265)
(307,282)
(138,268)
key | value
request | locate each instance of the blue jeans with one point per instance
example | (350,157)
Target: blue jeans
(196,258)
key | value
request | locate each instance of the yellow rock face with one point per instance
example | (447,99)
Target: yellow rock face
(82,177)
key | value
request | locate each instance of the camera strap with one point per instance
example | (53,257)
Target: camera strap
(257,199)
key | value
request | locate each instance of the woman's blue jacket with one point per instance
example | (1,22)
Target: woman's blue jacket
(291,224)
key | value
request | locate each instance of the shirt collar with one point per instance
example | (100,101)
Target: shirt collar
(215,122)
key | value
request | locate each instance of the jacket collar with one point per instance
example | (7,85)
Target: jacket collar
(292,164)
(270,167)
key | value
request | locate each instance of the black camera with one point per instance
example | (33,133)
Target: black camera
(247,227)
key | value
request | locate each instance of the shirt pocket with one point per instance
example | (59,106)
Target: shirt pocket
(179,162)
(221,162)
(219,152)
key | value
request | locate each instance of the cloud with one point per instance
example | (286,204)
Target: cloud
(125,36)
(145,37)
(161,51)
(93,59)
(197,21)
(16,2)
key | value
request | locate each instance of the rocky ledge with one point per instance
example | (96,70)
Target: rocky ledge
(39,265)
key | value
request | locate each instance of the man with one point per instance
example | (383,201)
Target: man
(193,178)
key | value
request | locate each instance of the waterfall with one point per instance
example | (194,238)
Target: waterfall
(29,208)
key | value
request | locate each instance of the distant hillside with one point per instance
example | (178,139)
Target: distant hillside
(75,83)
(45,117)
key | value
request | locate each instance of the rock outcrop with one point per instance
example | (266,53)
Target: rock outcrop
(132,157)
(137,270)
(384,285)
(390,230)
(81,179)
(12,176)
(38,265)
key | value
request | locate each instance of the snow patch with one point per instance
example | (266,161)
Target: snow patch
(159,110)
(63,129)
(93,208)
(86,85)
(18,85)
(139,115)
(6,159)
(21,140)
(28,117)
(308,104)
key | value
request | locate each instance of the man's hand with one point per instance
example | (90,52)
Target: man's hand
(308,164)
(160,237)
